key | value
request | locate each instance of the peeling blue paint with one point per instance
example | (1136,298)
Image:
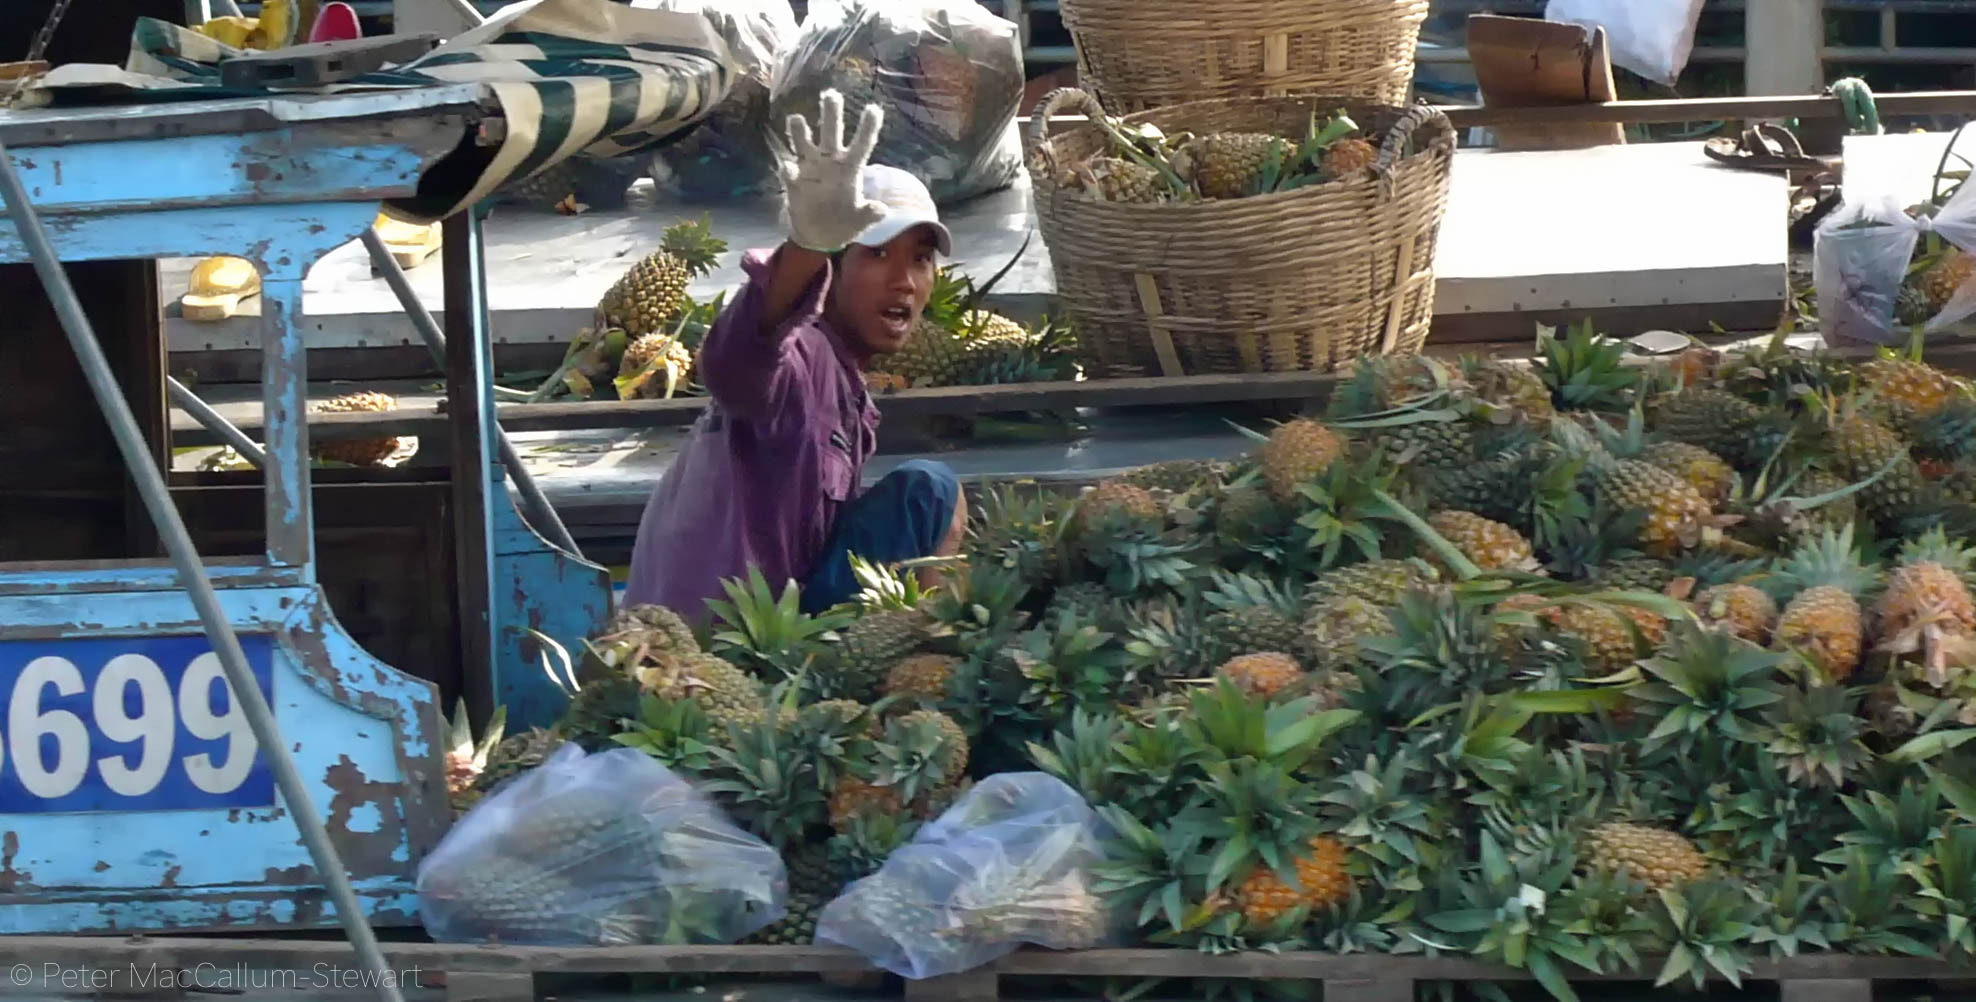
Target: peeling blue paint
(537,585)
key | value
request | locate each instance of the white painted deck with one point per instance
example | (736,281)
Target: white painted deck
(1617,226)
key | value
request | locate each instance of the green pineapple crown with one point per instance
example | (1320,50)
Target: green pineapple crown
(1831,559)
(1585,371)
(694,245)
(1935,546)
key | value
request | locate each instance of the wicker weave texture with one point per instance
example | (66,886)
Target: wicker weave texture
(1140,54)
(1301,280)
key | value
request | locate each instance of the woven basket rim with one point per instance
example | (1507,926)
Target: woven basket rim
(1043,185)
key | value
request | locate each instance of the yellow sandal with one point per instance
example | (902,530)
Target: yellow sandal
(217,286)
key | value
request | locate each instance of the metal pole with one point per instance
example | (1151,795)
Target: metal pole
(540,511)
(157,500)
(217,423)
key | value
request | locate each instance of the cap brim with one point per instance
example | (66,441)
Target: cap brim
(886,230)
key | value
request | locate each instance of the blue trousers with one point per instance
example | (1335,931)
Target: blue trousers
(904,516)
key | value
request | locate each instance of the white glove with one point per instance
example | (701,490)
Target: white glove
(827,207)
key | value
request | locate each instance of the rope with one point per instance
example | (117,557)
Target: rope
(1862,112)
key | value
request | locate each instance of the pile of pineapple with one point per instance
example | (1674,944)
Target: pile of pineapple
(1580,666)
(1142,164)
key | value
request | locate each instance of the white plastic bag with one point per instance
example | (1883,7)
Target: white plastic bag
(1008,864)
(1859,259)
(599,850)
(1650,37)
(727,156)
(947,72)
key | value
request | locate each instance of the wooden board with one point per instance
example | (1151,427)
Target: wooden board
(1521,62)
(1644,228)
(497,973)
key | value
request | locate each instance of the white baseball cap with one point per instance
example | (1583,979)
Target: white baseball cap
(907,204)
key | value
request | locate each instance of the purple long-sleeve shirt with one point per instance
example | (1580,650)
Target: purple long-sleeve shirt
(779,448)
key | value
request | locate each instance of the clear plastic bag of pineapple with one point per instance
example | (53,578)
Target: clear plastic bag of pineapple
(606,849)
(947,72)
(1008,864)
(727,156)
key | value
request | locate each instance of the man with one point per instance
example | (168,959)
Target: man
(769,477)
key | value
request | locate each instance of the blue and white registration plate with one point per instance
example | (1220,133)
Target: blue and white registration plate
(128,724)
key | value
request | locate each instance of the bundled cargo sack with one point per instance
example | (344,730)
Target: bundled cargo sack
(947,72)
(1653,38)
(1008,864)
(609,849)
(727,157)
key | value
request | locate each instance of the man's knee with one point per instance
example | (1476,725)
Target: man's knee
(928,476)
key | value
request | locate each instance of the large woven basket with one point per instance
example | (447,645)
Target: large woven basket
(1139,54)
(1300,280)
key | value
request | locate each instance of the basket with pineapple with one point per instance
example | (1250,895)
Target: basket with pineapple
(1241,235)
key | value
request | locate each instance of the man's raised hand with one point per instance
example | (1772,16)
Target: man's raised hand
(827,207)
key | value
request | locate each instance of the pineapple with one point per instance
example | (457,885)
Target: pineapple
(1713,419)
(728,695)
(1349,156)
(1489,544)
(1296,453)
(853,797)
(356,451)
(797,927)
(1264,674)
(921,676)
(1940,282)
(673,361)
(1659,858)
(1176,476)
(1114,180)
(1335,626)
(1247,516)
(1822,621)
(1674,508)
(1862,447)
(1602,632)
(659,627)
(869,649)
(649,297)
(1709,474)
(1676,513)
(1915,388)
(1381,582)
(1744,610)
(1515,387)
(515,754)
(1927,588)
(952,748)
(1322,881)
(1253,616)
(1633,574)
(1115,502)
(1229,164)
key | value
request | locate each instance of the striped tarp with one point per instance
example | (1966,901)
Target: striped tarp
(587,78)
